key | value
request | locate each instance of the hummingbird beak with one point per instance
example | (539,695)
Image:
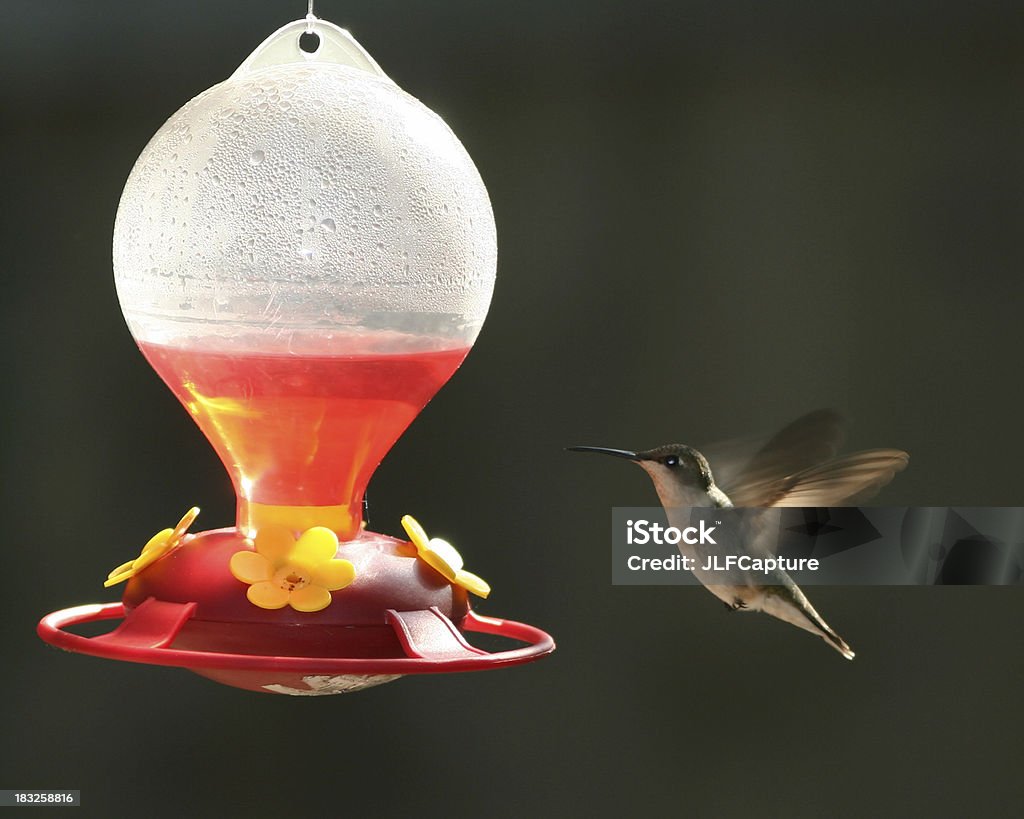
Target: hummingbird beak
(618,453)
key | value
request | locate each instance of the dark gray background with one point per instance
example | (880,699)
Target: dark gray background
(713,217)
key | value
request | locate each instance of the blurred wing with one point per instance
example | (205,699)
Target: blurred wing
(847,480)
(729,459)
(740,465)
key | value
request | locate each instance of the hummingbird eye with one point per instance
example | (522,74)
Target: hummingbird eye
(671,460)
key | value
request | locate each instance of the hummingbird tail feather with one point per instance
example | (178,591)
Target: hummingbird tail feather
(839,644)
(788,603)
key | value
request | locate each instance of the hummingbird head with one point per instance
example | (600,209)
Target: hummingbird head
(678,471)
(678,464)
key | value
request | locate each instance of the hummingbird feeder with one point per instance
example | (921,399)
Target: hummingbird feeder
(305,254)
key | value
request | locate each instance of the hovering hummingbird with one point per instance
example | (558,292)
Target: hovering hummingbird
(799,466)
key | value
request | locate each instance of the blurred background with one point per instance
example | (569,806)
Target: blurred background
(713,217)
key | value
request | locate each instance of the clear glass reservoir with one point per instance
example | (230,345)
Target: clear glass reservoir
(305,253)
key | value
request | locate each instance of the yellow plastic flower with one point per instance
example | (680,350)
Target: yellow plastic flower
(443,558)
(285,572)
(162,543)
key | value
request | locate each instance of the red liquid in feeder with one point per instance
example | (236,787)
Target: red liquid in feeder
(307,429)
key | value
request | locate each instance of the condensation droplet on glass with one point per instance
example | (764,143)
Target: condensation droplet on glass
(256,157)
(328,225)
(306,254)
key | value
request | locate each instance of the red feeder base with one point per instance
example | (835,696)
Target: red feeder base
(431,644)
(400,617)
